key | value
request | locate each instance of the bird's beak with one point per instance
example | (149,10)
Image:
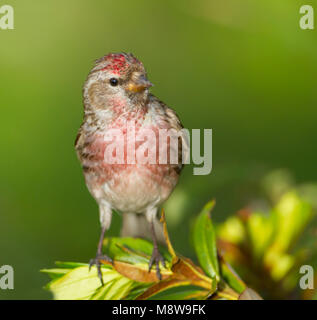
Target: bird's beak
(139,83)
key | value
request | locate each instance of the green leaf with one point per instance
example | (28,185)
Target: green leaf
(233,280)
(291,216)
(138,289)
(132,250)
(232,230)
(120,289)
(55,272)
(260,229)
(186,292)
(114,290)
(80,283)
(102,291)
(69,265)
(62,269)
(205,242)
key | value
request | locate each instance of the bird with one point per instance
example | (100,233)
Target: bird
(116,93)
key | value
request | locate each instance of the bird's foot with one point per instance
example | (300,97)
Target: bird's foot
(157,258)
(97,263)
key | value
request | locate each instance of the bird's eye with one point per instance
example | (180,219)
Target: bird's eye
(114,82)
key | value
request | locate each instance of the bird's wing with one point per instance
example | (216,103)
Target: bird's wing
(167,117)
(79,141)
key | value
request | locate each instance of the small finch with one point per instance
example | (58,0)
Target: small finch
(116,93)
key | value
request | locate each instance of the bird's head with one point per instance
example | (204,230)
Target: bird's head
(116,78)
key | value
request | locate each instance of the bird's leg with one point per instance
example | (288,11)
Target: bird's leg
(100,255)
(156,255)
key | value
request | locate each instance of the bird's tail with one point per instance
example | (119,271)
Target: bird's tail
(136,225)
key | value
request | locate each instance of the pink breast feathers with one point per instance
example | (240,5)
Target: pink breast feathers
(123,149)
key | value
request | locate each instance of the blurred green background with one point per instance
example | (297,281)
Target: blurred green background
(243,68)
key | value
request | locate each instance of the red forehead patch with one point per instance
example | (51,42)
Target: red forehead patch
(118,62)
